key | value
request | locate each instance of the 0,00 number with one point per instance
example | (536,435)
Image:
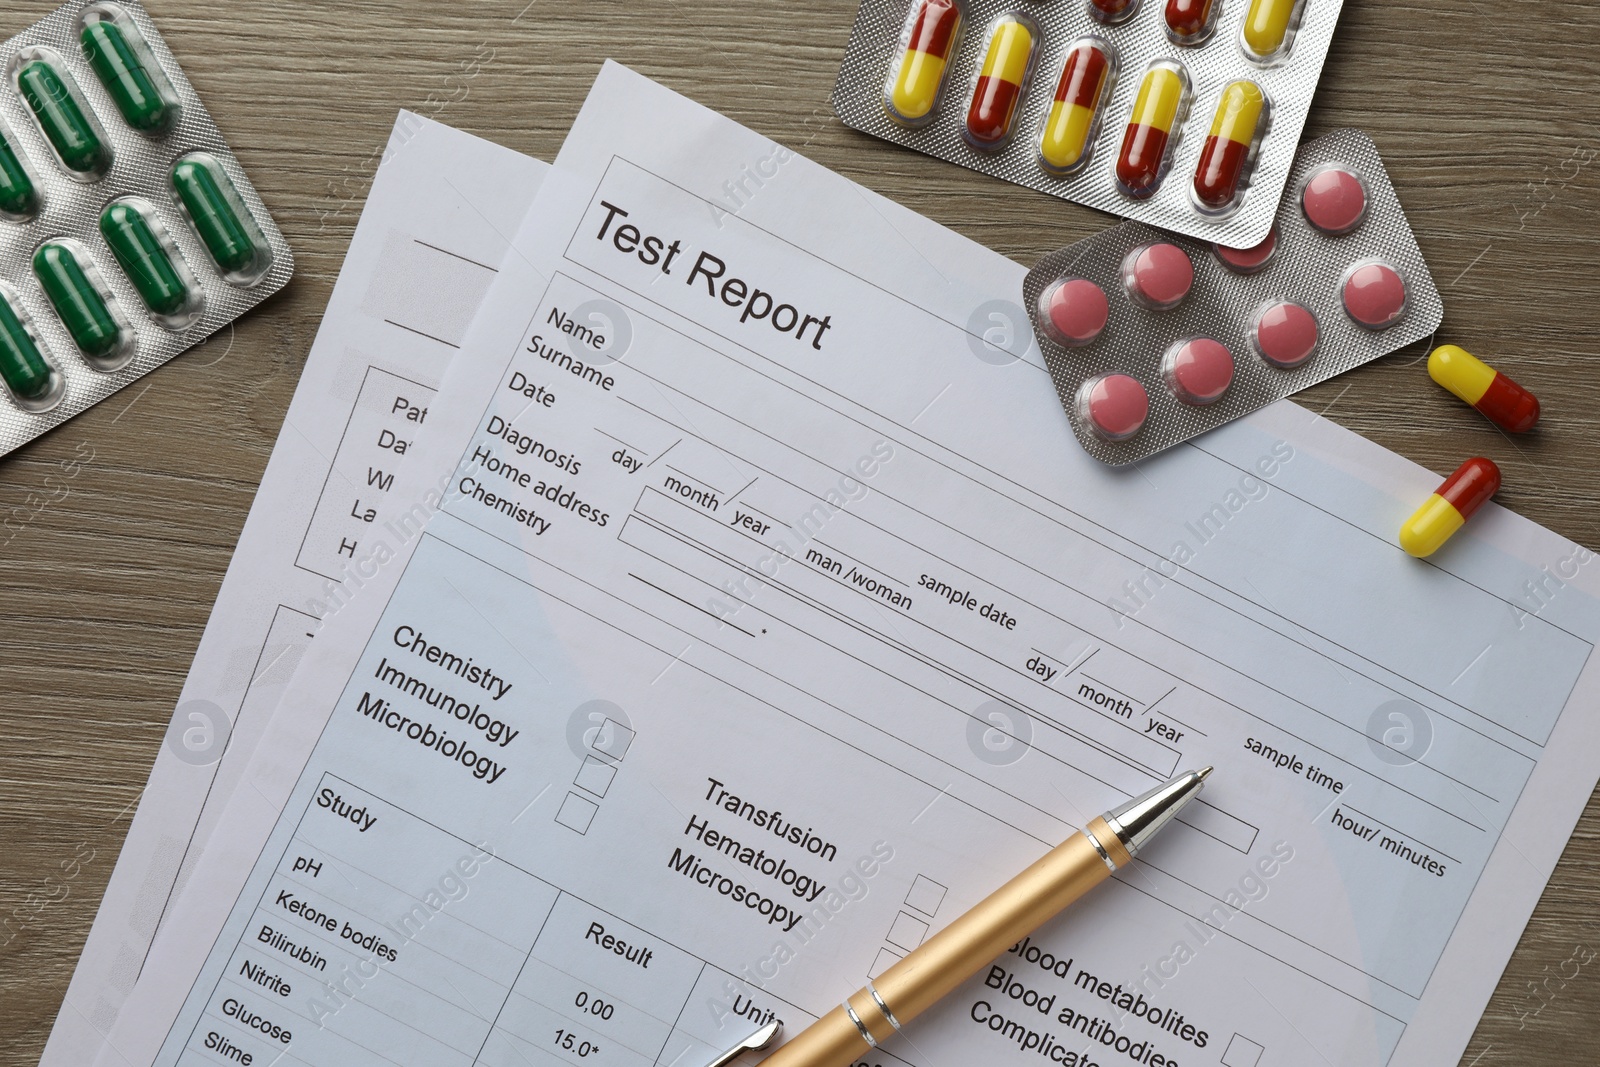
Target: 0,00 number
(594,1005)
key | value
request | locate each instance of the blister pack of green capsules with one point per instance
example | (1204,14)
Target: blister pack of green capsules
(128,231)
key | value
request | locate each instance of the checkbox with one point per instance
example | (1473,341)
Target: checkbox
(595,776)
(612,739)
(926,895)
(1242,1052)
(885,960)
(577,813)
(907,932)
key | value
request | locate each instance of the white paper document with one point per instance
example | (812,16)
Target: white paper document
(441,211)
(773,617)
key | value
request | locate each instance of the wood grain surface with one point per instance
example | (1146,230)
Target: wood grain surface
(1488,116)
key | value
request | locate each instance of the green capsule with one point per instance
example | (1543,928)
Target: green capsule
(143,258)
(211,210)
(22,366)
(62,120)
(123,73)
(16,188)
(82,309)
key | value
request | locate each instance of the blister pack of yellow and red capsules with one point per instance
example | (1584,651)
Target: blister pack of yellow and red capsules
(1153,337)
(1181,113)
(128,231)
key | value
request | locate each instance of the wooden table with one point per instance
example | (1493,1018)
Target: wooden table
(1491,130)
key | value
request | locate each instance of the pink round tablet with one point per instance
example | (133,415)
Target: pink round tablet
(1285,334)
(1374,294)
(1114,406)
(1198,371)
(1335,200)
(1158,276)
(1073,311)
(1249,260)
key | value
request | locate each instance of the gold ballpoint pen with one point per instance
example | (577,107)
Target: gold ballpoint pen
(1003,918)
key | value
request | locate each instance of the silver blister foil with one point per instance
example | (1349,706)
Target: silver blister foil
(70,211)
(1288,83)
(1307,268)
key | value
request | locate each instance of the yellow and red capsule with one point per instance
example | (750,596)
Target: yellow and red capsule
(1007,61)
(1146,144)
(930,37)
(1269,29)
(1501,400)
(1190,22)
(1234,132)
(1449,508)
(1112,12)
(1069,128)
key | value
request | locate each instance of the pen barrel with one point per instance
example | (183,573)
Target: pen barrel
(956,953)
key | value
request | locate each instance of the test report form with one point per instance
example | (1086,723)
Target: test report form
(441,210)
(773,617)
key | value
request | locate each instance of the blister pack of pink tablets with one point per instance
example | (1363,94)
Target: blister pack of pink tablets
(1181,113)
(1153,338)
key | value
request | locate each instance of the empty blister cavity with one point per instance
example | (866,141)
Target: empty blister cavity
(1374,294)
(1157,276)
(1267,34)
(1191,22)
(1197,370)
(1008,55)
(1285,334)
(1240,121)
(84,304)
(19,192)
(1114,406)
(1066,141)
(1073,312)
(63,116)
(1113,12)
(1252,260)
(152,262)
(121,59)
(1154,127)
(32,381)
(1334,200)
(917,74)
(220,219)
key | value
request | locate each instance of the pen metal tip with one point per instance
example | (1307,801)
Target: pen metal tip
(764,1036)
(1204,773)
(754,1043)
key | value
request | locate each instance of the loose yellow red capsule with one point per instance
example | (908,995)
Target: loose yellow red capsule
(1267,25)
(1006,65)
(1220,173)
(930,37)
(1448,509)
(1501,400)
(1064,142)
